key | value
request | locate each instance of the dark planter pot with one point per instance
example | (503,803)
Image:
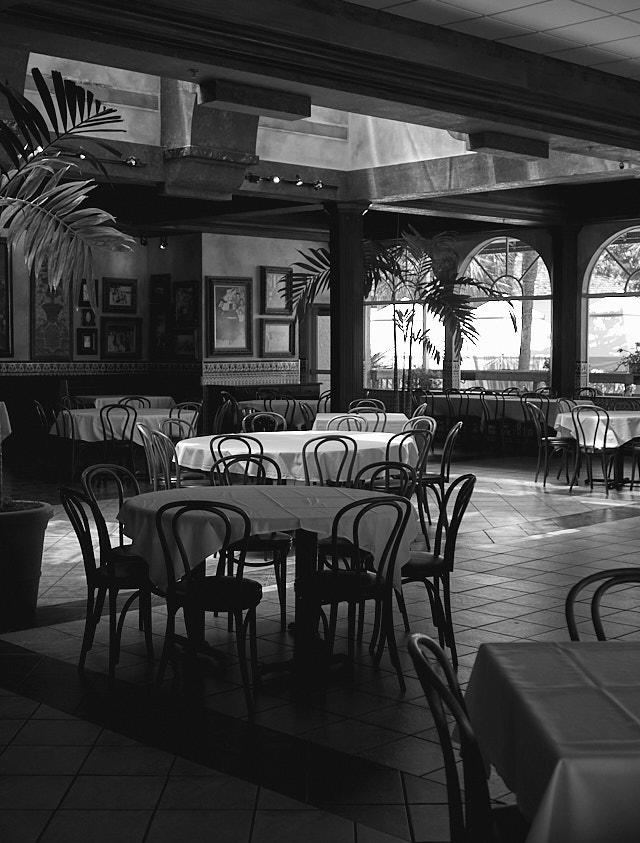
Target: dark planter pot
(21,542)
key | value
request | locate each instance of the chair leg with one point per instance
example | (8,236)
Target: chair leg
(242,658)
(144,599)
(449,636)
(280,570)
(93,614)
(167,647)
(403,608)
(114,644)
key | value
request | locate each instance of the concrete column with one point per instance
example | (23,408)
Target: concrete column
(567,363)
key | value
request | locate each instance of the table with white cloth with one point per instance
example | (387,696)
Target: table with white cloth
(513,408)
(560,722)
(88,428)
(393,422)
(309,510)
(623,427)
(281,405)
(285,447)
(99,401)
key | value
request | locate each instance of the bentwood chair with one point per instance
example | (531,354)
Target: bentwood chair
(349,421)
(329,460)
(177,429)
(228,417)
(472,816)
(363,403)
(106,576)
(274,547)
(244,442)
(324,402)
(436,481)
(433,570)
(190,589)
(118,422)
(264,422)
(375,420)
(593,588)
(595,441)
(137,401)
(550,445)
(346,574)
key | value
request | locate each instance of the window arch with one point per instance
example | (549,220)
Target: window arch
(613,301)
(517,271)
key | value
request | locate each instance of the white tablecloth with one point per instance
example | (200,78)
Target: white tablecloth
(270,508)
(280,406)
(512,407)
(99,401)
(623,426)
(286,449)
(89,429)
(561,724)
(394,421)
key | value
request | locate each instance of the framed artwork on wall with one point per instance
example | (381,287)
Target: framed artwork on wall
(186,343)
(6,303)
(120,339)
(229,315)
(87,341)
(185,304)
(88,318)
(119,295)
(276,284)
(277,338)
(51,318)
(84,295)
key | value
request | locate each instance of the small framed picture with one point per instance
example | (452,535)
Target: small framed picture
(185,304)
(185,343)
(119,295)
(120,339)
(230,315)
(87,341)
(277,339)
(84,296)
(276,288)
(88,318)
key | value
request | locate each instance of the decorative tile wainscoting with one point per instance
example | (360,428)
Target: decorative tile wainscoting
(244,372)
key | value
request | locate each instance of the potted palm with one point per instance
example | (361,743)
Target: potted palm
(42,209)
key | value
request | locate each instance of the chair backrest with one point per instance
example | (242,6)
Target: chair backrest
(85,517)
(177,520)
(422,409)
(324,402)
(453,507)
(375,403)
(426,423)
(247,469)
(118,422)
(44,416)
(348,421)
(329,460)
(539,399)
(376,420)
(71,402)
(63,422)
(493,406)
(137,401)
(111,481)
(458,403)
(602,581)
(447,450)
(512,390)
(154,468)
(399,447)
(470,817)
(549,391)
(387,476)
(565,405)
(177,428)
(307,415)
(585,392)
(285,405)
(237,440)
(184,411)
(228,417)
(591,424)
(264,421)
(169,469)
(537,419)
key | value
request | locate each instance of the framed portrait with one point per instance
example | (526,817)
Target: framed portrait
(119,295)
(87,341)
(276,284)
(120,339)
(185,343)
(229,315)
(51,318)
(277,338)
(6,303)
(185,304)
(159,289)
(88,318)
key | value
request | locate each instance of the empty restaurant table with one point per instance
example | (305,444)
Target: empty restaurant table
(99,401)
(560,722)
(88,427)
(393,422)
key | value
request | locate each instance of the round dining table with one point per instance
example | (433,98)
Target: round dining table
(88,427)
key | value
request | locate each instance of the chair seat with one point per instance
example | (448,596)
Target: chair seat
(132,573)
(423,564)
(221,594)
(336,587)
(560,441)
(267,541)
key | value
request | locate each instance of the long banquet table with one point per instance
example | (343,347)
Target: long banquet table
(286,448)
(88,428)
(513,408)
(560,722)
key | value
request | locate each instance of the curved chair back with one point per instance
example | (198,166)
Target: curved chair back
(137,401)
(399,447)
(243,441)
(603,581)
(264,422)
(306,414)
(177,428)
(374,403)
(71,402)
(109,480)
(453,507)
(329,460)
(348,421)
(169,469)
(396,478)
(228,417)
(591,425)
(247,469)
(81,511)
(118,422)
(188,411)
(422,422)
(324,402)
(447,450)
(376,420)
(565,405)
(585,392)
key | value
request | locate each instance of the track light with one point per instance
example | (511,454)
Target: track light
(132,161)
(163,243)
(299,181)
(317,185)
(275,179)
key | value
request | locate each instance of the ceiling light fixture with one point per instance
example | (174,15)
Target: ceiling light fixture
(163,243)
(275,179)
(298,181)
(317,185)
(254,178)
(132,161)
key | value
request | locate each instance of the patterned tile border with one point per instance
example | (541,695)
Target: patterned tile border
(242,372)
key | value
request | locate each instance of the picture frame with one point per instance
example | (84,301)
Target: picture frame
(51,318)
(120,339)
(229,315)
(119,295)
(185,304)
(84,294)
(88,318)
(277,338)
(158,336)
(87,341)
(6,302)
(185,342)
(276,296)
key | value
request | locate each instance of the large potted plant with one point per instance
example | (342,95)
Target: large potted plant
(43,211)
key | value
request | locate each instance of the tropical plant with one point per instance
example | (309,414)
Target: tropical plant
(41,195)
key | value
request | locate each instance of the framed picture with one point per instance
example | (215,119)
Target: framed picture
(185,304)
(229,315)
(159,289)
(6,304)
(120,339)
(87,341)
(185,343)
(276,287)
(51,318)
(88,318)
(84,295)
(277,339)
(119,295)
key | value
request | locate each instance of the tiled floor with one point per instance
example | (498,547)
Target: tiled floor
(78,760)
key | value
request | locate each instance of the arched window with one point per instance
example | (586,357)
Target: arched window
(517,271)
(613,302)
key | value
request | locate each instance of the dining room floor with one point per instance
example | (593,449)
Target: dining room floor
(79,759)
